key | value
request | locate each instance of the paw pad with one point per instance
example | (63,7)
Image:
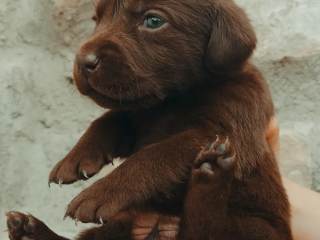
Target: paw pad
(19,225)
(216,155)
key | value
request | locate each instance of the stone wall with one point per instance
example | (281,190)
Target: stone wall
(42,116)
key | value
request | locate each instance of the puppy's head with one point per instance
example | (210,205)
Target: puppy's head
(143,51)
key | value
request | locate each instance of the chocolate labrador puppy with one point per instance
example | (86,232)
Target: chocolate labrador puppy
(188,112)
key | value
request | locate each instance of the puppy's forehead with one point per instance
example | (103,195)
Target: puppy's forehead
(113,7)
(108,7)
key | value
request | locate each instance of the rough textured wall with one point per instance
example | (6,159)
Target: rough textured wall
(41,117)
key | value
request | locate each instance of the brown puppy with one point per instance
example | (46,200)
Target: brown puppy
(176,74)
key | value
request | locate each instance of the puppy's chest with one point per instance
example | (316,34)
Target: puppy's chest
(155,127)
(157,130)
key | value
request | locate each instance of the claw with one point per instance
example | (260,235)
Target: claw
(49,183)
(112,163)
(85,174)
(217,138)
(101,221)
(65,216)
(227,139)
(76,221)
(60,182)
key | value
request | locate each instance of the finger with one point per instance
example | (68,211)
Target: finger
(141,234)
(168,234)
(171,226)
(146,220)
(26,238)
(140,237)
(272,136)
(141,231)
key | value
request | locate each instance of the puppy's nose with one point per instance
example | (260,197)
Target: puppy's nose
(88,63)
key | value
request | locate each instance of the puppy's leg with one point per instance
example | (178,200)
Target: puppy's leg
(27,227)
(108,137)
(206,210)
(206,205)
(158,168)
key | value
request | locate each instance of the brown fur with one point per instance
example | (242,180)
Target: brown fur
(171,91)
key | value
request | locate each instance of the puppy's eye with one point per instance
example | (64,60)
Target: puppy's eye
(153,22)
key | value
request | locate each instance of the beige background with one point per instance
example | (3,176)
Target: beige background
(41,117)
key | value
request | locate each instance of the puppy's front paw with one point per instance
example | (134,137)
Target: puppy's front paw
(99,202)
(216,160)
(84,161)
(27,227)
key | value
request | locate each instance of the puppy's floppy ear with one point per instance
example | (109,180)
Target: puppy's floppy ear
(232,39)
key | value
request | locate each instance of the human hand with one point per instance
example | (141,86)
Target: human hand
(145,222)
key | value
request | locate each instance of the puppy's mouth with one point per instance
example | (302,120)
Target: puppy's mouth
(120,103)
(114,91)
(119,93)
